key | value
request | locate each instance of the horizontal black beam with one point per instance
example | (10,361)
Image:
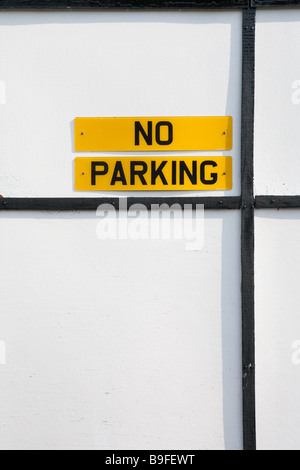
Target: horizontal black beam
(86,204)
(275,3)
(208,202)
(277,202)
(121,4)
(91,204)
(141,4)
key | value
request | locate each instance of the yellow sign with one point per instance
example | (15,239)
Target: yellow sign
(153,173)
(153,134)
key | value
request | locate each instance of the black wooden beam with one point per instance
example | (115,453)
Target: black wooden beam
(275,3)
(122,4)
(247,243)
(142,4)
(277,202)
(91,204)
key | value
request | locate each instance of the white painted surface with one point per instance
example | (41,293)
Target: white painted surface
(278,329)
(277,116)
(115,344)
(58,66)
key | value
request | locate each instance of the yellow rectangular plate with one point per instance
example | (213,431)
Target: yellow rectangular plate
(153,134)
(153,173)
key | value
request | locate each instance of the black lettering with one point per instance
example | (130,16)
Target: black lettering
(184,169)
(98,173)
(118,170)
(174,173)
(214,176)
(140,173)
(158,172)
(147,137)
(170,128)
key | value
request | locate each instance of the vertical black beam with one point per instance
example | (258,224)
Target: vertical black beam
(247,246)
